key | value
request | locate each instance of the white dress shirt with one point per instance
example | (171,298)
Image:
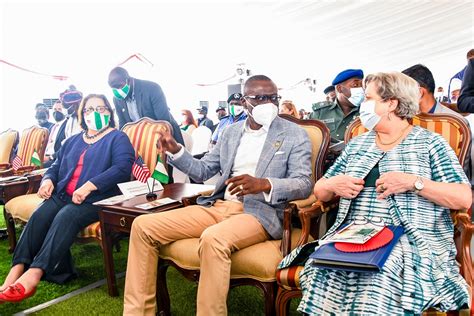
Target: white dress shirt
(246,158)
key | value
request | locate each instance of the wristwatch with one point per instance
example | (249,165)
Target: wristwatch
(419,185)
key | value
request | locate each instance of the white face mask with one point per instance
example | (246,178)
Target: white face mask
(357,96)
(438,94)
(97,121)
(264,114)
(368,117)
(201,116)
(235,110)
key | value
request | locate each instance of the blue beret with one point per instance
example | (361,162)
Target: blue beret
(234,96)
(348,74)
(329,89)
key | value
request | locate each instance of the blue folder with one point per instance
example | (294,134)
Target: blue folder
(328,257)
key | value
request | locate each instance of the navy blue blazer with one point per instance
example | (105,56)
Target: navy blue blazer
(106,163)
(151,102)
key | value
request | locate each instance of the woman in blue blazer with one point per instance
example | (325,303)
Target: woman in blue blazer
(88,168)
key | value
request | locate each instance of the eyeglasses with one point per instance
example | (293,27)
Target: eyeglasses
(274,98)
(362,220)
(100,109)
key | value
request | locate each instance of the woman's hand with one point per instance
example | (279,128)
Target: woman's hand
(46,189)
(83,192)
(394,183)
(345,186)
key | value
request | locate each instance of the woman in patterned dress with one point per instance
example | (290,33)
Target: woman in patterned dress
(406,176)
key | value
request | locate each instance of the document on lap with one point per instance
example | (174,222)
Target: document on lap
(134,188)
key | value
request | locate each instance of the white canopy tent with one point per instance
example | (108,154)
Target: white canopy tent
(202,42)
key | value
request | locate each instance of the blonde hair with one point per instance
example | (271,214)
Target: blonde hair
(397,86)
(291,107)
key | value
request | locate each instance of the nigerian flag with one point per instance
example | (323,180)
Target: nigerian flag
(160,172)
(101,120)
(35,159)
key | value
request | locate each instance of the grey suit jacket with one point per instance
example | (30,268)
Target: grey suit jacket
(289,171)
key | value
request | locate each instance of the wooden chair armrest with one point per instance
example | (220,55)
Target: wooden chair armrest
(307,210)
(466,228)
(304,203)
(6,173)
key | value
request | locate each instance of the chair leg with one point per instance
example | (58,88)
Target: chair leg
(283,299)
(10,222)
(162,294)
(269,297)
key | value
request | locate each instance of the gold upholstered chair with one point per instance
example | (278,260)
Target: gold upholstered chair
(255,265)
(142,135)
(32,139)
(8,142)
(458,135)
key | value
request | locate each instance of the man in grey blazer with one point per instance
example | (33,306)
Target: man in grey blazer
(264,162)
(135,98)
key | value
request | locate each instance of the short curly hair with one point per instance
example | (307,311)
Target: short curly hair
(397,86)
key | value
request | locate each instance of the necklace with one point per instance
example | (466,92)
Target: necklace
(396,139)
(87,136)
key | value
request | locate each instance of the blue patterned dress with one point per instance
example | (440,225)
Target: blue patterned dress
(421,272)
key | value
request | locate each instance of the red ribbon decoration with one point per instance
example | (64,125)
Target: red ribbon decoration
(215,83)
(138,56)
(57,77)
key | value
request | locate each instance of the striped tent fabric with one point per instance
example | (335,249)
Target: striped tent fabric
(33,138)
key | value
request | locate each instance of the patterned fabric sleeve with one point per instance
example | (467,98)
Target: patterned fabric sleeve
(339,166)
(445,165)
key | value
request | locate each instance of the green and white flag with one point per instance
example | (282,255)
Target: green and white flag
(35,159)
(160,172)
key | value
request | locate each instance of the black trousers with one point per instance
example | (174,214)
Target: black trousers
(47,238)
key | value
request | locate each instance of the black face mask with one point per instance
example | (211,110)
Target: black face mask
(58,116)
(71,109)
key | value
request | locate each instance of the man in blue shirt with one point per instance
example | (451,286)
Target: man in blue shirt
(236,114)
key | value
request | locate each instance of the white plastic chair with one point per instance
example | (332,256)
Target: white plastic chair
(201,140)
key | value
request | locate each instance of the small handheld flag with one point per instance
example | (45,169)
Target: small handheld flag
(17,163)
(140,171)
(160,172)
(35,159)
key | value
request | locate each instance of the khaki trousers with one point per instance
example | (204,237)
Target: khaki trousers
(221,229)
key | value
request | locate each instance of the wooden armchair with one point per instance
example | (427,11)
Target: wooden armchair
(255,265)
(8,142)
(33,138)
(142,135)
(458,135)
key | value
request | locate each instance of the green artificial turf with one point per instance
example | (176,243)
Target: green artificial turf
(245,300)
(89,263)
